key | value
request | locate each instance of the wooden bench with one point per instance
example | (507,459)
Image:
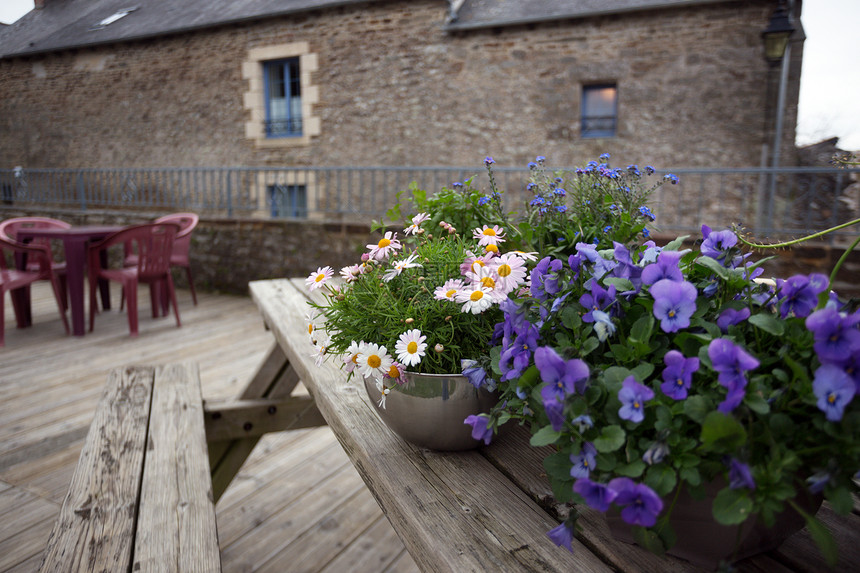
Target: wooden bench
(141,495)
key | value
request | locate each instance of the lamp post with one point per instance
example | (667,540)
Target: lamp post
(777,52)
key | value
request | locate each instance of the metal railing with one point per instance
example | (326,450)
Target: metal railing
(789,201)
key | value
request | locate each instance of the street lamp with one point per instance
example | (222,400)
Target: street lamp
(776,35)
(777,52)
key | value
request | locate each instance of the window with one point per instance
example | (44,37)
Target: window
(288,201)
(599,110)
(281,97)
(283,91)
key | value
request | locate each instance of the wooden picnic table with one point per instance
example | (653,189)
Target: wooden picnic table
(482,510)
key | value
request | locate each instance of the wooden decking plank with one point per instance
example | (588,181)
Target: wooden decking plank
(366,556)
(94,523)
(25,545)
(176,529)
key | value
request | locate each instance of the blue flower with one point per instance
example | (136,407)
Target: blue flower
(562,376)
(475,374)
(731,362)
(603,325)
(641,504)
(666,267)
(480,431)
(678,374)
(740,475)
(561,209)
(582,423)
(562,536)
(607,228)
(818,481)
(731,316)
(633,396)
(798,295)
(604,157)
(836,334)
(634,169)
(583,461)
(544,278)
(484,200)
(532,166)
(674,303)
(655,453)
(598,299)
(597,495)
(719,245)
(671,178)
(488,161)
(834,389)
(540,159)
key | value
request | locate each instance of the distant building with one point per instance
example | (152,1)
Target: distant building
(112,83)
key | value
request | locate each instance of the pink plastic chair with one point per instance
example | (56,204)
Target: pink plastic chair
(153,244)
(181,247)
(38,257)
(9,230)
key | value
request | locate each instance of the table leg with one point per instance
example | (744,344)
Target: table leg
(76,254)
(21,297)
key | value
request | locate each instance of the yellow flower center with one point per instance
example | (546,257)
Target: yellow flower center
(636,405)
(488,282)
(680,382)
(412,347)
(504,270)
(478,262)
(393,372)
(492,249)
(476,296)
(451,292)
(319,277)
(374,361)
(355,358)
(671,314)
(831,398)
(384,243)
(310,329)
(490,232)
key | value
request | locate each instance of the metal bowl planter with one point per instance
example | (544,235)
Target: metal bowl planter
(429,409)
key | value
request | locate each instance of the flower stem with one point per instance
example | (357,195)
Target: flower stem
(796,241)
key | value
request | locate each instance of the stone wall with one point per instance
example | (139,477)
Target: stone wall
(227,253)
(395,89)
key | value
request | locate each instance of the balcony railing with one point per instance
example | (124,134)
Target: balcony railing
(768,202)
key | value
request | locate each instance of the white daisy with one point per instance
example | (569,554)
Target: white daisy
(448,291)
(373,360)
(350,359)
(320,351)
(416,223)
(386,246)
(511,270)
(487,277)
(475,298)
(530,256)
(350,273)
(399,266)
(319,277)
(489,235)
(311,319)
(410,347)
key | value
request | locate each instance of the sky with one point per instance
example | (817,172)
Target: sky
(829,84)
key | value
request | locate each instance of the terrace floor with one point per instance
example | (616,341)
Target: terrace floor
(296,505)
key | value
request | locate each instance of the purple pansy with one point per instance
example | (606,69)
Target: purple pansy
(718,245)
(798,295)
(740,475)
(475,374)
(562,536)
(834,389)
(598,299)
(731,316)
(562,376)
(544,278)
(836,334)
(666,267)
(554,410)
(583,461)
(633,396)
(674,304)
(480,431)
(731,362)
(678,374)
(601,266)
(641,505)
(597,495)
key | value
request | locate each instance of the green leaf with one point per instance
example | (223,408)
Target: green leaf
(648,539)
(841,500)
(632,470)
(714,266)
(697,408)
(690,475)
(643,371)
(768,322)
(610,439)
(732,506)
(544,437)
(676,244)
(621,284)
(822,536)
(661,478)
(570,317)
(721,433)
(642,328)
(756,403)
(588,345)
(557,465)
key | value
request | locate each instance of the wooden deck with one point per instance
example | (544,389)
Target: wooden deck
(297,504)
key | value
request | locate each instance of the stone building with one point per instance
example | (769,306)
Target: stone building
(111,83)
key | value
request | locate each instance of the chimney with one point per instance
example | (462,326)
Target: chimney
(39,4)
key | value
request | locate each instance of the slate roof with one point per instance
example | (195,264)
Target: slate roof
(472,14)
(65,24)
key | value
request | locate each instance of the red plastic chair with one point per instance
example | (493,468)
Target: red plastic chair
(153,243)
(9,230)
(181,247)
(38,257)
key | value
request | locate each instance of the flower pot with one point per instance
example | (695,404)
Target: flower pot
(704,542)
(429,409)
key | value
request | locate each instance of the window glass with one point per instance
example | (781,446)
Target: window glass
(599,110)
(288,201)
(283,98)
